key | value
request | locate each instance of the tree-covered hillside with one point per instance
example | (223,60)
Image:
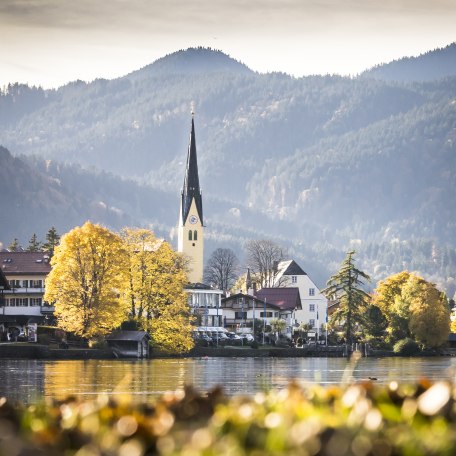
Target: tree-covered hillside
(318,163)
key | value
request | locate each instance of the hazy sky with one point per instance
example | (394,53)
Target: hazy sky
(51,42)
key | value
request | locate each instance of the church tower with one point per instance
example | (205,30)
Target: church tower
(191,228)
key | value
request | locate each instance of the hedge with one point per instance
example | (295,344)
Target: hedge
(360,419)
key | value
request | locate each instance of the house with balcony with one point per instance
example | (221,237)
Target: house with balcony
(23,302)
(205,304)
(288,300)
(242,309)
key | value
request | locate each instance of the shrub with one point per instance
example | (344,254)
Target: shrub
(254,344)
(406,347)
(44,339)
(364,417)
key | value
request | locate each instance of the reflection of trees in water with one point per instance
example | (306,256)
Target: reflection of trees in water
(27,380)
(141,377)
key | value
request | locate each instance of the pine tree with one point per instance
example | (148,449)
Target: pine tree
(34,244)
(346,286)
(52,241)
(14,246)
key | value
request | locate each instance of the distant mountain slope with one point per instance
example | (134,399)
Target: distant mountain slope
(319,163)
(32,202)
(437,64)
(192,61)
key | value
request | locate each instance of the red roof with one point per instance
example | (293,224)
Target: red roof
(285,298)
(16,263)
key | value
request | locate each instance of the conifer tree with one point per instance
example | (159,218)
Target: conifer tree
(52,240)
(346,286)
(34,244)
(14,246)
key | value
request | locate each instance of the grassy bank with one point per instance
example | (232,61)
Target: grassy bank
(360,419)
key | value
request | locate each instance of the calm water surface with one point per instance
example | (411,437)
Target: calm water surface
(29,380)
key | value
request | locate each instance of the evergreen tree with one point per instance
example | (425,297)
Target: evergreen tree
(34,244)
(14,246)
(346,287)
(52,240)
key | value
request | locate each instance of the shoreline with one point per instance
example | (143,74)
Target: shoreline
(16,351)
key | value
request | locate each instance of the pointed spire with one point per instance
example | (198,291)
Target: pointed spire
(191,189)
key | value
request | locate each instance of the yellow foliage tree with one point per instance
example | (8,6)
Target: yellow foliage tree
(89,272)
(413,308)
(429,312)
(156,296)
(387,297)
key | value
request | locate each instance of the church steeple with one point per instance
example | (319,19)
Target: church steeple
(191,228)
(191,189)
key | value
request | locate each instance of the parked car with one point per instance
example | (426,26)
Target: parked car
(204,340)
(247,337)
(233,339)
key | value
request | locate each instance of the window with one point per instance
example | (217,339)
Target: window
(312,322)
(18,302)
(268,315)
(35,283)
(294,279)
(25,283)
(311,291)
(190,235)
(240,315)
(195,235)
(311,307)
(15,283)
(35,302)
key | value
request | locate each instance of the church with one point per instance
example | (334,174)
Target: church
(191,226)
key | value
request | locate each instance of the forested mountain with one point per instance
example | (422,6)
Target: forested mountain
(437,64)
(318,163)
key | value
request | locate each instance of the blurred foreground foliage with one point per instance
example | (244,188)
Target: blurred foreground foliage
(358,419)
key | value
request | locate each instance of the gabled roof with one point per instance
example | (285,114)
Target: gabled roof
(191,189)
(259,303)
(290,268)
(16,263)
(128,335)
(285,298)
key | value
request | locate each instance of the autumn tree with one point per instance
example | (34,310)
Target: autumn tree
(222,269)
(414,308)
(34,244)
(347,287)
(262,258)
(89,272)
(156,296)
(387,297)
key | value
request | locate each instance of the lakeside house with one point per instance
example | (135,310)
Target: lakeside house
(314,304)
(205,304)
(23,304)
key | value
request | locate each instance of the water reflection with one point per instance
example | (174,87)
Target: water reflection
(29,380)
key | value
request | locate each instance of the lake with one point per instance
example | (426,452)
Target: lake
(29,380)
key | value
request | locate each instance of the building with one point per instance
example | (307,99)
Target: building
(314,305)
(205,304)
(23,303)
(288,300)
(241,309)
(129,344)
(191,227)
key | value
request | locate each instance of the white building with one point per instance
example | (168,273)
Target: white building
(23,303)
(314,305)
(205,304)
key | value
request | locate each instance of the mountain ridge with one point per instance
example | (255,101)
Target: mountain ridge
(319,163)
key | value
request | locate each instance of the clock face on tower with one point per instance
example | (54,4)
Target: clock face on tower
(193,219)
